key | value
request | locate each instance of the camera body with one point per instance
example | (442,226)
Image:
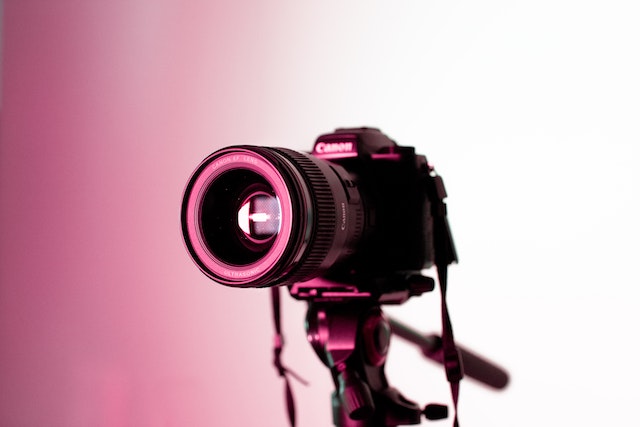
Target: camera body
(357,216)
(390,183)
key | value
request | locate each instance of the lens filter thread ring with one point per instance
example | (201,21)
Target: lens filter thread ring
(211,261)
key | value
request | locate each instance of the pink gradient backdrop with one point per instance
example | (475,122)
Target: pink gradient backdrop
(528,111)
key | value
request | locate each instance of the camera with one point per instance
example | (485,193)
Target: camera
(360,214)
(346,227)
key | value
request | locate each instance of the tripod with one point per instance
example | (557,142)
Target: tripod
(352,340)
(351,335)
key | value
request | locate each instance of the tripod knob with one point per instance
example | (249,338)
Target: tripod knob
(355,395)
(435,411)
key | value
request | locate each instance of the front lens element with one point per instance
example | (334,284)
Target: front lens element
(259,216)
(237,227)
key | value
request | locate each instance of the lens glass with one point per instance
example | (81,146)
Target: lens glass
(259,216)
(241,217)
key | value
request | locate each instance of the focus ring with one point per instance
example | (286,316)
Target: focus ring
(324,215)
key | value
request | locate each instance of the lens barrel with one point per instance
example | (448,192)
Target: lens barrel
(260,216)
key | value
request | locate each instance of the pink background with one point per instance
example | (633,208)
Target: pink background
(529,111)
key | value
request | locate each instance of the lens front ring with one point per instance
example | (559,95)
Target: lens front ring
(204,252)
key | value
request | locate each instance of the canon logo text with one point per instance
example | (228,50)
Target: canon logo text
(334,147)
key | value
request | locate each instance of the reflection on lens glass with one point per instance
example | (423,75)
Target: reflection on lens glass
(241,217)
(259,216)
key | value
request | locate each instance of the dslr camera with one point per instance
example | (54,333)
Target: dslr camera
(359,216)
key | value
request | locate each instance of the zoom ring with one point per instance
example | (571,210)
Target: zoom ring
(324,213)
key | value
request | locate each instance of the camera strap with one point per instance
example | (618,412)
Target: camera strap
(451,356)
(278,344)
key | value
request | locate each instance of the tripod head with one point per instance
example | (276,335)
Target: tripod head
(352,339)
(351,335)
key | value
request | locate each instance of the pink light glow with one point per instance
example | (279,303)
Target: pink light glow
(107,108)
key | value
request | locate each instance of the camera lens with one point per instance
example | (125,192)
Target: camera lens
(258,216)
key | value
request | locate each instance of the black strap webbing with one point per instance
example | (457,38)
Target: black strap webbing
(278,344)
(451,356)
